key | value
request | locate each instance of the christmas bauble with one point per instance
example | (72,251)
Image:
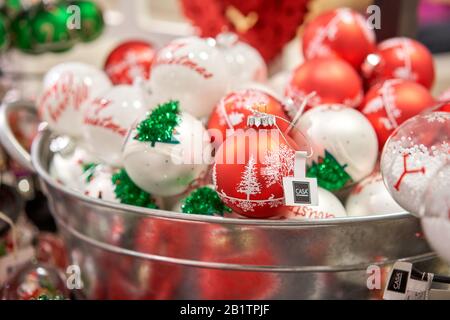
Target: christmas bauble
(4,32)
(441,106)
(279,81)
(98,182)
(109,117)
(435,212)
(232,111)
(129,61)
(36,281)
(339,33)
(244,63)
(249,169)
(69,164)
(204,201)
(329,207)
(345,147)
(167,151)
(333,80)
(389,104)
(22,32)
(192,71)
(413,155)
(400,58)
(91,20)
(445,96)
(68,89)
(370,197)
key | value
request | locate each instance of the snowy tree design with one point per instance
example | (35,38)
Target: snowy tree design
(278,164)
(249,183)
(438,117)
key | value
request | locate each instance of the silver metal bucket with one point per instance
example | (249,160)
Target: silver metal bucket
(129,252)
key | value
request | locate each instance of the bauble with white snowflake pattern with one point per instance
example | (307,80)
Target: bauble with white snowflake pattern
(390,103)
(231,112)
(68,89)
(249,169)
(192,71)
(329,207)
(413,155)
(130,61)
(244,63)
(167,151)
(98,182)
(109,117)
(333,80)
(370,197)
(341,33)
(345,147)
(399,58)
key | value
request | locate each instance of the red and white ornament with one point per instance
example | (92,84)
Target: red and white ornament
(193,71)
(232,111)
(345,134)
(339,33)
(370,197)
(168,169)
(129,61)
(249,169)
(413,155)
(244,63)
(329,207)
(99,183)
(389,104)
(333,80)
(400,58)
(68,164)
(68,89)
(109,118)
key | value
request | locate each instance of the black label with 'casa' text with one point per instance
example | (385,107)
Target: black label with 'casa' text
(398,281)
(302,194)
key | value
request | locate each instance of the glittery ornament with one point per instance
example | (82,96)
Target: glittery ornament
(11,8)
(204,201)
(329,173)
(333,81)
(341,33)
(370,197)
(129,193)
(345,147)
(91,20)
(129,61)
(399,58)
(4,32)
(160,124)
(22,32)
(389,104)
(413,155)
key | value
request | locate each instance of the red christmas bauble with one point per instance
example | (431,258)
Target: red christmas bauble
(441,106)
(249,169)
(256,22)
(339,33)
(333,80)
(232,111)
(400,58)
(389,104)
(128,61)
(246,247)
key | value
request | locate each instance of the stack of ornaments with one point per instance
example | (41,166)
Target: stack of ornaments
(193,127)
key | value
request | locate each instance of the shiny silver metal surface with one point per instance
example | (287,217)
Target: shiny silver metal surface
(136,253)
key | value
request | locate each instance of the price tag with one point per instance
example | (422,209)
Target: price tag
(299,190)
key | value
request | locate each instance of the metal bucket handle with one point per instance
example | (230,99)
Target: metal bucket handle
(7,137)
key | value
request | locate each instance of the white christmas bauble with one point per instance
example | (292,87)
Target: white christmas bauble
(329,207)
(193,71)
(167,169)
(109,118)
(99,183)
(244,63)
(68,165)
(279,81)
(68,89)
(370,197)
(343,133)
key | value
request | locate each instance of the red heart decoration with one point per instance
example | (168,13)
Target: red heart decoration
(266,25)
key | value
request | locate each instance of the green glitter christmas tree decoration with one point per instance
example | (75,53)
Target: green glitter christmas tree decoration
(88,170)
(160,124)
(204,201)
(329,173)
(129,193)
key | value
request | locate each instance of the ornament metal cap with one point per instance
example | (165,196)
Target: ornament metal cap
(261,119)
